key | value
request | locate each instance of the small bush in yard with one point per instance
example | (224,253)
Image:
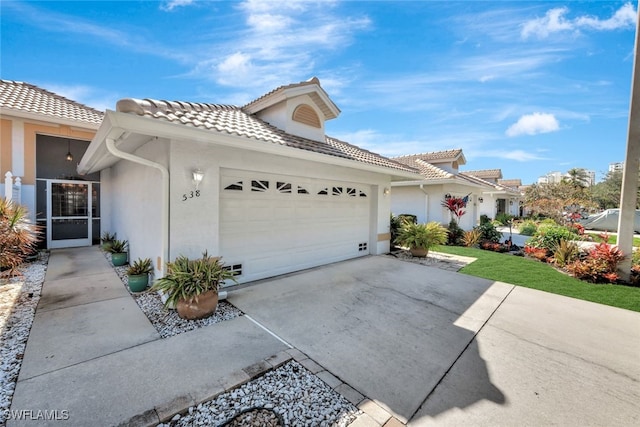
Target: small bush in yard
(18,236)
(488,232)
(599,266)
(471,237)
(528,228)
(541,254)
(565,252)
(454,234)
(548,236)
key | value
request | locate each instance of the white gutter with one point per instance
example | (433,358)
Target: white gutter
(111,147)
(426,203)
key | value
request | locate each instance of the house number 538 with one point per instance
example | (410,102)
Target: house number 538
(190,195)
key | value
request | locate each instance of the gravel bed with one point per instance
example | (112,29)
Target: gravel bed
(166,321)
(434,259)
(291,392)
(19,297)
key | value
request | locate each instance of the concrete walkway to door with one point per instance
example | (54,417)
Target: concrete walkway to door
(433,347)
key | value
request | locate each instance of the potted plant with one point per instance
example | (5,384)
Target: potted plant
(107,239)
(191,285)
(138,274)
(118,251)
(419,238)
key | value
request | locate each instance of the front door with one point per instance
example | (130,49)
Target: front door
(69,213)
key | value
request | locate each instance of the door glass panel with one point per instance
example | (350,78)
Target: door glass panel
(69,199)
(95,200)
(41,199)
(63,229)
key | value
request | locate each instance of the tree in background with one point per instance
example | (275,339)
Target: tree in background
(554,200)
(607,193)
(578,178)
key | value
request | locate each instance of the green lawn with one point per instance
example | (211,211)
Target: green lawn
(533,274)
(613,239)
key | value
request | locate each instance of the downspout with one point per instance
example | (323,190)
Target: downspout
(111,147)
(426,203)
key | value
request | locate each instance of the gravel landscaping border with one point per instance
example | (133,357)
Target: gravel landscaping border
(19,298)
(291,392)
(166,321)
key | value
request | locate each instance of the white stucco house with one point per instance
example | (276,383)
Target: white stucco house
(261,185)
(440,176)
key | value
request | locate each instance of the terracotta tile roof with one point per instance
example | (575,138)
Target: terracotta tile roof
(27,98)
(234,121)
(486,173)
(515,183)
(328,112)
(434,156)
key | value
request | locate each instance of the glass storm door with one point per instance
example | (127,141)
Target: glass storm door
(69,214)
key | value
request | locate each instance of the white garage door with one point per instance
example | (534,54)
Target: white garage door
(271,224)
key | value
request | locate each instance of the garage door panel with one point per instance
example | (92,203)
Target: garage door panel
(279,230)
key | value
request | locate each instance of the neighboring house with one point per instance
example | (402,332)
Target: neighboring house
(504,196)
(441,177)
(261,185)
(42,137)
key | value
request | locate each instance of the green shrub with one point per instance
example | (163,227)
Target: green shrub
(504,218)
(528,228)
(454,234)
(565,252)
(484,219)
(548,236)
(488,232)
(423,236)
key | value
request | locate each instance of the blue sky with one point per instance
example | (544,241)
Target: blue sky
(527,87)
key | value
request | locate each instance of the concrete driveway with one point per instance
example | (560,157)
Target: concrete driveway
(434,347)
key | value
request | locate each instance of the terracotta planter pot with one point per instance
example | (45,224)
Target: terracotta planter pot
(419,252)
(205,306)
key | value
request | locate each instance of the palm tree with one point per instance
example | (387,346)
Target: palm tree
(578,178)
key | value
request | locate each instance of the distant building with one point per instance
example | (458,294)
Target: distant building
(617,166)
(556,177)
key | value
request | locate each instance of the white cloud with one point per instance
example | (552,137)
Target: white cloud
(169,5)
(281,42)
(555,21)
(515,155)
(625,17)
(532,124)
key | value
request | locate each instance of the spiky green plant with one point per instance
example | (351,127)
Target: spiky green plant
(18,236)
(424,236)
(188,278)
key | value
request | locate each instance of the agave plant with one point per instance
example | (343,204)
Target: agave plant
(18,236)
(188,278)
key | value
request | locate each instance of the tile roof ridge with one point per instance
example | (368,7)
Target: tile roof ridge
(452,150)
(313,80)
(139,106)
(355,147)
(434,167)
(52,94)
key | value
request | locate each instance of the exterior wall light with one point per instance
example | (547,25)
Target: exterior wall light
(198,175)
(480,199)
(69,155)
(386,191)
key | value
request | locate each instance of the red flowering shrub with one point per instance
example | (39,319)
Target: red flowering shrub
(599,266)
(541,254)
(578,227)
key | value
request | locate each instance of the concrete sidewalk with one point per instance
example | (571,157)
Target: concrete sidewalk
(93,357)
